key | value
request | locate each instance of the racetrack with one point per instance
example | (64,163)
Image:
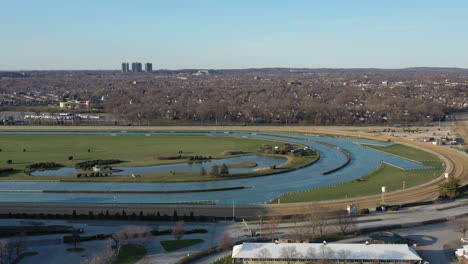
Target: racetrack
(456,165)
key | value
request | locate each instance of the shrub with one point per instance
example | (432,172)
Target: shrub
(88,165)
(449,189)
(6,170)
(364,211)
(70,157)
(214,171)
(9,161)
(272,167)
(43,165)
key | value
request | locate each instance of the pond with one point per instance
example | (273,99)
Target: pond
(262,162)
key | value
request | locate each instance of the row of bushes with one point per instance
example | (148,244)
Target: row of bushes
(87,165)
(169,157)
(199,158)
(3,170)
(8,231)
(93,174)
(43,165)
(117,216)
(70,239)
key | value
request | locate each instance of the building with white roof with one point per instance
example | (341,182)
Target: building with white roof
(302,253)
(462,253)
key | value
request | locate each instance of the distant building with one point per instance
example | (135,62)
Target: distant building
(202,72)
(125,67)
(148,67)
(65,105)
(136,67)
(302,253)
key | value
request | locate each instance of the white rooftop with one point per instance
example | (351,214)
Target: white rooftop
(327,251)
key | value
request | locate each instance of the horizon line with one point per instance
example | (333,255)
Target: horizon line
(252,68)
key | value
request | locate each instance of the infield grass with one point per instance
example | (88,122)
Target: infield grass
(385,175)
(132,150)
(415,154)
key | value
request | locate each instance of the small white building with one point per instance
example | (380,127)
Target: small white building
(462,253)
(301,253)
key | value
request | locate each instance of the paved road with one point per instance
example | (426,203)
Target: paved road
(436,242)
(53,252)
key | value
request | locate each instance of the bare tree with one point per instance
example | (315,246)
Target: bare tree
(107,256)
(11,249)
(301,233)
(319,220)
(131,234)
(460,226)
(178,230)
(345,222)
(264,255)
(225,243)
(325,255)
(290,253)
(75,238)
(269,228)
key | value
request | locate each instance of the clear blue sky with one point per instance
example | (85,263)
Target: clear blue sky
(175,34)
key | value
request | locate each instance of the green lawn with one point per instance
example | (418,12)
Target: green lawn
(130,254)
(385,175)
(171,245)
(418,155)
(133,150)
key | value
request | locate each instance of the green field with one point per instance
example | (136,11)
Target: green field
(171,245)
(130,254)
(133,150)
(385,175)
(417,155)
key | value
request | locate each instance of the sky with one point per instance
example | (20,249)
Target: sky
(227,34)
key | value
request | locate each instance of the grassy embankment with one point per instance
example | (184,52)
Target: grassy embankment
(133,150)
(385,175)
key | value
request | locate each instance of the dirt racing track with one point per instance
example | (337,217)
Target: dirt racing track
(456,165)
